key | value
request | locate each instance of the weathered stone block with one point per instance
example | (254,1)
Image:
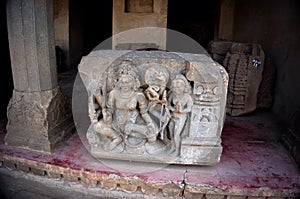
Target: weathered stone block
(221,51)
(149,191)
(109,185)
(236,197)
(244,64)
(214,196)
(11,164)
(189,195)
(172,190)
(39,172)
(54,175)
(153,106)
(129,188)
(23,167)
(38,120)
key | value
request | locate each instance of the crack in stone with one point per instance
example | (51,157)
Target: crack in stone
(183,183)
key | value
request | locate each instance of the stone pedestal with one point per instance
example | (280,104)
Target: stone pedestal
(38,120)
(38,115)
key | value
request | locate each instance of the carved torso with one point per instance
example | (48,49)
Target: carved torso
(124,108)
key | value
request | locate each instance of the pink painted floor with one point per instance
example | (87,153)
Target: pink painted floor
(253,160)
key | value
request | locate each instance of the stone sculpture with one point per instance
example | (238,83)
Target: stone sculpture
(155,106)
(244,64)
(180,103)
(251,85)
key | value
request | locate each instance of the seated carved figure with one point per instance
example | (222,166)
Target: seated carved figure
(104,128)
(125,113)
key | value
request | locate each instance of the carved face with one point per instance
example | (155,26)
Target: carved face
(208,92)
(126,82)
(178,87)
(156,77)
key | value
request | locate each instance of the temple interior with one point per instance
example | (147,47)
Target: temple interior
(260,148)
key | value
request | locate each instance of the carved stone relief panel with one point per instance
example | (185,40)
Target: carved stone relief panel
(245,65)
(154,106)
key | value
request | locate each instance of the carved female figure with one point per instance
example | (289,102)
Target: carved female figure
(180,103)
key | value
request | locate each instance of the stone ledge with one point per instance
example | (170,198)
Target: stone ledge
(100,180)
(244,170)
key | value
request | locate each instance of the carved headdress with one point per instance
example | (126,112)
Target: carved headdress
(127,67)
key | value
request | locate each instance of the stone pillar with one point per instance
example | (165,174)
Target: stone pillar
(39,116)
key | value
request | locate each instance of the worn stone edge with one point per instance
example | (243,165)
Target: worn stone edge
(134,184)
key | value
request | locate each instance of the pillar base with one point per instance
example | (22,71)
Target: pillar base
(39,121)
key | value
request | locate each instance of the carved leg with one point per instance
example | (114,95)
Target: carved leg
(106,130)
(171,127)
(179,124)
(135,128)
(141,130)
(116,140)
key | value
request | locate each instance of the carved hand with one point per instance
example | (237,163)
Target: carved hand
(152,94)
(94,117)
(171,108)
(151,127)
(107,117)
(164,98)
(178,108)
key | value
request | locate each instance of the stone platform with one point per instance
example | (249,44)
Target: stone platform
(253,163)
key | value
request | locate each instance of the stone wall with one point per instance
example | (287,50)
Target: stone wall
(130,14)
(276,27)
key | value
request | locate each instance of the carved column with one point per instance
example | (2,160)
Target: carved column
(39,117)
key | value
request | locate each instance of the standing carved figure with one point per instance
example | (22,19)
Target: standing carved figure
(180,103)
(157,78)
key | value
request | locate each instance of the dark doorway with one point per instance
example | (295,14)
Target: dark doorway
(6,83)
(97,23)
(197,22)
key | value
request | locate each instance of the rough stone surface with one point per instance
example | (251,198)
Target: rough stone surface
(133,14)
(43,116)
(219,49)
(265,94)
(244,64)
(31,44)
(39,116)
(152,121)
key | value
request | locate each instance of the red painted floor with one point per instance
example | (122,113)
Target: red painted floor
(253,161)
